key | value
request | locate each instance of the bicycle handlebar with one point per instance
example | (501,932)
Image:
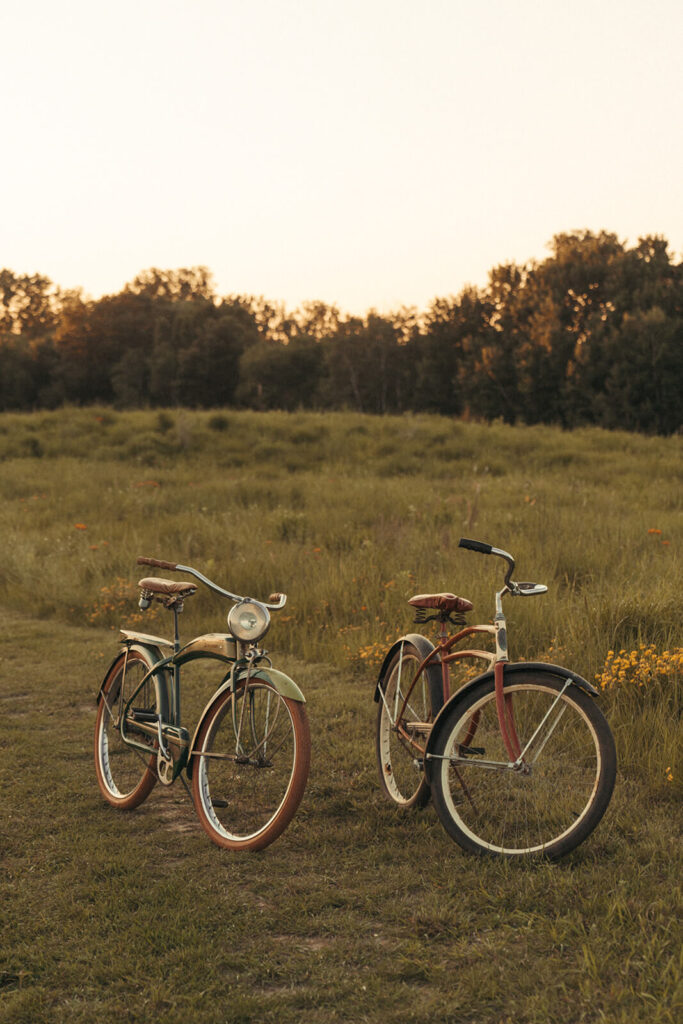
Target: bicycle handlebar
(488,549)
(275,601)
(157,563)
(475,545)
(516,589)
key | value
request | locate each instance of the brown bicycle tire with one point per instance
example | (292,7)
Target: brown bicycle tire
(105,778)
(296,786)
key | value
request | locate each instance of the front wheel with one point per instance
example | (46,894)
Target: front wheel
(402,729)
(547,803)
(250,766)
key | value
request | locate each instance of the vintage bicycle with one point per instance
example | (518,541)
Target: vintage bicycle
(246,764)
(519,761)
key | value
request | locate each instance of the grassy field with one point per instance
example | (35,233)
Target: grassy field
(355,913)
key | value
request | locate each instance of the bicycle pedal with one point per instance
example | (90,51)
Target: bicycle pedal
(165,770)
(142,715)
(472,751)
(420,728)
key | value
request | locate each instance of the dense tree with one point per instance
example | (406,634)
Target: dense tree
(643,374)
(28,304)
(17,389)
(208,368)
(276,376)
(365,366)
(186,284)
(591,334)
(317,320)
(441,355)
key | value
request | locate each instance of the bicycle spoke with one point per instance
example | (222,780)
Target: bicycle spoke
(244,799)
(539,803)
(399,747)
(549,732)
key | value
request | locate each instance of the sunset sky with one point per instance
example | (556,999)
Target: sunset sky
(367,153)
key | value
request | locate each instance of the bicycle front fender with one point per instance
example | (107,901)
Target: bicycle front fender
(285,686)
(511,669)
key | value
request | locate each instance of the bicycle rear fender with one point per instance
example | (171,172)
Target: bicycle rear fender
(511,669)
(424,647)
(285,686)
(161,679)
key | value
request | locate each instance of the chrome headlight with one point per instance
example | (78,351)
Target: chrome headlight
(248,621)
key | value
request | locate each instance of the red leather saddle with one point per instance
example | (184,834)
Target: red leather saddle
(442,602)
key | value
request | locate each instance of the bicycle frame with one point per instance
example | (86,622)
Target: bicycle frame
(246,765)
(242,665)
(515,760)
(443,655)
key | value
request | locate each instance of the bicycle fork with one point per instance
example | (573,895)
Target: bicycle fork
(504,701)
(506,718)
(257,755)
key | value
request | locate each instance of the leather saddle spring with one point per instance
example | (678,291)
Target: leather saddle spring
(455,618)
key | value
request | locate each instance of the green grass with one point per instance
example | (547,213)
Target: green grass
(355,913)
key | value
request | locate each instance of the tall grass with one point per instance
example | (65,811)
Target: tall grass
(349,515)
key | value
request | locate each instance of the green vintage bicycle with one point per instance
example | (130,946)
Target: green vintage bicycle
(246,763)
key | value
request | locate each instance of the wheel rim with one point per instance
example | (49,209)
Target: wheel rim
(123,768)
(521,812)
(400,762)
(244,781)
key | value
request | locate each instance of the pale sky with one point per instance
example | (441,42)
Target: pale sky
(366,153)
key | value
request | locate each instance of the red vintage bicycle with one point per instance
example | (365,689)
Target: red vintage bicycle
(519,761)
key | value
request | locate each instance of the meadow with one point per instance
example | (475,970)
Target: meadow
(356,913)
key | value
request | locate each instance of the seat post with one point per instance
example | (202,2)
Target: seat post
(445,667)
(177,608)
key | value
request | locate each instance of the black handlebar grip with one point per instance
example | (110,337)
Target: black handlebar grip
(475,545)
(157,563)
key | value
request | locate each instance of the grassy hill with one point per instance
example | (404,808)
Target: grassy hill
(355,913)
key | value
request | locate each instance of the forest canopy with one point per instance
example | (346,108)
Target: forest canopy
(593,334)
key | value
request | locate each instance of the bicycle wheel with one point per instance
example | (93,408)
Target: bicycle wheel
(560,793)
(399,761)
(125,775)
(251,766)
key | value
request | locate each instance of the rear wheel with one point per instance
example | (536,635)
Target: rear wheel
(559,792)
(251,767)
(125,775)
(402,732)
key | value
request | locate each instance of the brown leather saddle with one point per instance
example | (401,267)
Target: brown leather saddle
(168,592)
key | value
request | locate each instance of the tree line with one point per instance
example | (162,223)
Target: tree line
(593,334)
